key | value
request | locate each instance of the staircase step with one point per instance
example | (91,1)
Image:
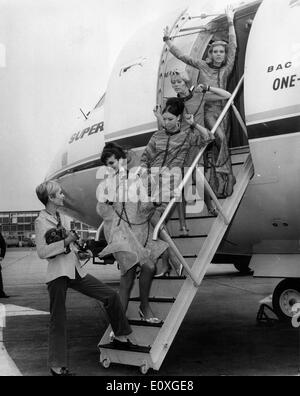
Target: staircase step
(203,213)
(189,237)
(239,155)
(160,309)
(161,287)
(133,348)
(144,335)
(190,246)
(155,299)
(196,226)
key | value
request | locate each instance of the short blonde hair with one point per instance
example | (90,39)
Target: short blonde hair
(45,190)
(183,75)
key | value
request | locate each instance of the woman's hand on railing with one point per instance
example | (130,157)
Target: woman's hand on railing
(203,88)
(190,119)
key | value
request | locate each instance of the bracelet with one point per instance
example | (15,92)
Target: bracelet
(166,38)
(230,23)
(206,88)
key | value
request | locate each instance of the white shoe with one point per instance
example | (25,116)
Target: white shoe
(111,336)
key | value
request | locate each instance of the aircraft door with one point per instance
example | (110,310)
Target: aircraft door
(191,41)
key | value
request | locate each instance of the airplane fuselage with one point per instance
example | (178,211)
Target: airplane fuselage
(267,221)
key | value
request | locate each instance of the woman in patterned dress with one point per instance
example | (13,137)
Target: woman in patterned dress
(128,230)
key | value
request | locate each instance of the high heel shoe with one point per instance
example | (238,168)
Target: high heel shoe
(165,272)
(152,320)
(162,274)
(184,232)
(212,211)
(111,336)
(180,270)
(64,372)
(230,184)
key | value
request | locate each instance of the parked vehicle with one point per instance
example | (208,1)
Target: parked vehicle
(11,240)
(26,242)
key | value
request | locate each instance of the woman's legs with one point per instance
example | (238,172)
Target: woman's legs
(181,214)
(166,267)
(146,276)
(224,156)
(168,256)
(207,198)
(126,284)
(225,179)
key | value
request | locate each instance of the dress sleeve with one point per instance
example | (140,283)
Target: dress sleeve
(148,153)
(198,64)
(232,46)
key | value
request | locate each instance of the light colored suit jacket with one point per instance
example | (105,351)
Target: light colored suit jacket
(62,264)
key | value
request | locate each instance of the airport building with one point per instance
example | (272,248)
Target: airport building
(17,226)
(83,230)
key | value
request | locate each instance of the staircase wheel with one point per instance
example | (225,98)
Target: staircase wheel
(105,363)
(144,368)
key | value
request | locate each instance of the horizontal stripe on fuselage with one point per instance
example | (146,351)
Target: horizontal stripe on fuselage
(274,128)
(271,115)
(133,141)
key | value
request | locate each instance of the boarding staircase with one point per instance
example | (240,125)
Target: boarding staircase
(171,297)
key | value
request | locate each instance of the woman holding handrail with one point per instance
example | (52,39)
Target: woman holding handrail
(195,101)
(215,72)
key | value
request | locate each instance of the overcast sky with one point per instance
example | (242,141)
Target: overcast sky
(55,57)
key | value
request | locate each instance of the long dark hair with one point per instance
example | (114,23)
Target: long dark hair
(112,149)
(174,106)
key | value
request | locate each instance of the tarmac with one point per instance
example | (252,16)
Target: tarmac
(219,335)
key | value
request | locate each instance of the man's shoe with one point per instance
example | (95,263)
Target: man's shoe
(3,295)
